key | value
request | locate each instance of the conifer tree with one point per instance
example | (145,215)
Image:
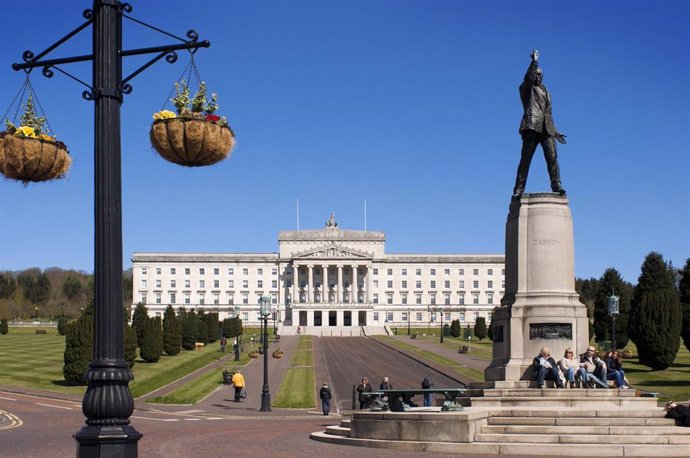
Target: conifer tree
(455,328)
(655,319)
(78,348)
(152,349)
(130,345)
(62,325)
(611,282)
(172,335)
(190,327)
(480,328)
(4,329)
(212,327)
(139,317)
(684,287)
(201,329)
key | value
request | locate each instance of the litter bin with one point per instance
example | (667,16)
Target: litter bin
(227,377)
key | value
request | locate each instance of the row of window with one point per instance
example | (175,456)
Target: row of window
(432,298)
(202,283)
(432,284)
(418,316)
(202,271)
(432,271)
(215,297)
(274,271)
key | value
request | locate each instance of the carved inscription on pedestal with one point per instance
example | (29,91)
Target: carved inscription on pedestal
(550,331)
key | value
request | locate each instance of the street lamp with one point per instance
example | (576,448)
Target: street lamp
(441,312)
(108,402)
(409,318)
(238,334)
(613,313)
(265,311)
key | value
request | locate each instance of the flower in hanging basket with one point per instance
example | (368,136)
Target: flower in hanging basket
(194,136)
(29,154)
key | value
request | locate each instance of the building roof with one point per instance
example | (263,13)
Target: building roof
(330,233)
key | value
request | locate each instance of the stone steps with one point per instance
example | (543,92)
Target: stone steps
(648,412)
(551,402)
(624,439)
(577,421)
(559,393)
(581,429)
(338,430)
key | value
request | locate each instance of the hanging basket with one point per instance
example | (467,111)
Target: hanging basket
(192,142)
(32,159)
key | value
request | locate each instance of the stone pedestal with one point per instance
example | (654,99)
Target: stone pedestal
(540,306)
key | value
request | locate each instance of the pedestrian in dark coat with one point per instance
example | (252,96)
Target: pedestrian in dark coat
(364,387)
(325,395)
(385,384)
(426,384)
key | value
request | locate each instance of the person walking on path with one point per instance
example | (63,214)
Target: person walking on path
(238,383)
(426,384)
(325,395)
(223,344)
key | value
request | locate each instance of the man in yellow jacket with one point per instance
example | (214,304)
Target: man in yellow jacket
(238,383)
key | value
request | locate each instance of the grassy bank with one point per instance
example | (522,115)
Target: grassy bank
(297,389)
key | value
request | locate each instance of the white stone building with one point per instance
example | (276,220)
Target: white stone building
(326,278)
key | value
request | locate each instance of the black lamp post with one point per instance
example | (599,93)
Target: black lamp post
(265,311)
(238,334)
(107,402)
(441,312)
(613,313)
(409,318)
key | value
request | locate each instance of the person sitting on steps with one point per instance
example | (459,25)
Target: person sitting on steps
(545,367)
(571,368)
(595,367)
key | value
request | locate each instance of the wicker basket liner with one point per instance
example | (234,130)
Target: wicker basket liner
(191,142)
(30,159)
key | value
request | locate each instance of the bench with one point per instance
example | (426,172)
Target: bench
(41,331)
(463,349)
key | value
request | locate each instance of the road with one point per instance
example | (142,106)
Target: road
(348,359)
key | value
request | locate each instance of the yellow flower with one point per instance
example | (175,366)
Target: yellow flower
(25,131)
(165,114)
(46,137)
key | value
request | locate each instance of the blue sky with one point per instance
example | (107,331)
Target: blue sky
(412,106)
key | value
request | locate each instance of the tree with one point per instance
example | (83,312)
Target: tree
(201,328)
(62,325)
(480,330)
(3,326)
(130,345)
(212,327)
(72,287)
(232,327)
(611,282)
(455,328)
(7,285)
(172,332)
(139,317)
(78,348)
(190,327)
(152,348)
(684,287)
(35,286)
(655,319)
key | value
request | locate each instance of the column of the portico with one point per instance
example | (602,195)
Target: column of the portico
(295,283)
(310,285)
(368,291)
(324,289)
(354,289)
(340,284)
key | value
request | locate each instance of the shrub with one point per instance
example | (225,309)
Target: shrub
(62,325)
(78,348)
(480,330)
(172,332)
(189,330)
(3,326)
(139,317)
(655,320)
(152,349)
(130,345)
(455,328)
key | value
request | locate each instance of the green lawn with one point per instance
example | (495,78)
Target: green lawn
(479,349)
(194,390)
(468,372)
(297,390)
(33,360)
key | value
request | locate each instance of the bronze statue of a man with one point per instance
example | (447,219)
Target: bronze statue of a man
(537,128)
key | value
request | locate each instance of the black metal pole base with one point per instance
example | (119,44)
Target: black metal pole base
(107,441)
(266,402)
